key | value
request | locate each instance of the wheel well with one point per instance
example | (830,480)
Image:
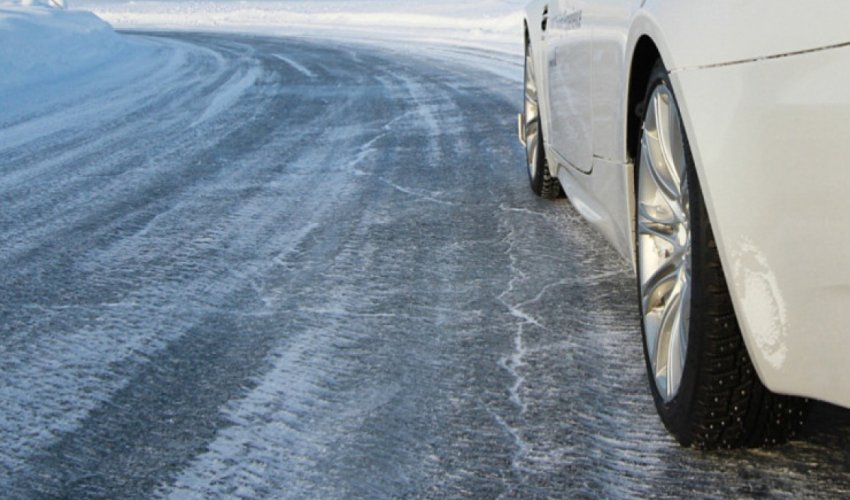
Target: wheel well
(645,55)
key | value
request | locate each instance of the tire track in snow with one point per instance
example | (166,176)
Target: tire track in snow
(229,94)
(109,327)
(297,66)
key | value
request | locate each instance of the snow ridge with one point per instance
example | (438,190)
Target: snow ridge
(40,44)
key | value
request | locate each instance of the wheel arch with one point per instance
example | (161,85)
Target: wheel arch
(647,48)
(643,59)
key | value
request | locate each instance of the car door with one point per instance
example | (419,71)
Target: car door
(610,21)
(569,81)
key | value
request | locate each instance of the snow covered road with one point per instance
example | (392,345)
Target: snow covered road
(270,267)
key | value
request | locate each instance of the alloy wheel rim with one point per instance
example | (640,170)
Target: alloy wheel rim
(664,242)
(532,116)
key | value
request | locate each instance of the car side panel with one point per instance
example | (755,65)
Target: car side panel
(610,21)
(602,198)
(568,67)
(604,194)
(769,142)
(533,22)
(700,33)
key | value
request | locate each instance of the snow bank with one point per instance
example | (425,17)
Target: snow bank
(40,44)
(58,4)
(491,24)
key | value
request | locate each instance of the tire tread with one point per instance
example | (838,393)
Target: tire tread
(732,408)
(550,186)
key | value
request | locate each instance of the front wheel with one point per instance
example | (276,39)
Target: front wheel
(703,382)
(542,182)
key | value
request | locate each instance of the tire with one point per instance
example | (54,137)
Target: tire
(542,182)
(702,379)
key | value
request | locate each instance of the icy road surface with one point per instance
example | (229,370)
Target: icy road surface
(278,268)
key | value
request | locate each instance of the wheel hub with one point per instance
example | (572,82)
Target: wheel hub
(531,116)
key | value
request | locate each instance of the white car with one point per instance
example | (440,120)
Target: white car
(710,144)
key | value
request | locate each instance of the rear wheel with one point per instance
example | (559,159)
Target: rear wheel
(704,384)
(542,182)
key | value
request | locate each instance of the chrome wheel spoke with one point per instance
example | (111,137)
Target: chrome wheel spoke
(651,225)
(672,145)
(656,289)
(667,187)
(684,314)
(530,82)
(531,114)
(531,138)
(532,117)
(664,242)
(669,352)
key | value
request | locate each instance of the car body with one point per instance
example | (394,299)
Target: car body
(763,89)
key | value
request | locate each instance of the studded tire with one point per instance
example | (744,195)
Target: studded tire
(542,182)
(721,402)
